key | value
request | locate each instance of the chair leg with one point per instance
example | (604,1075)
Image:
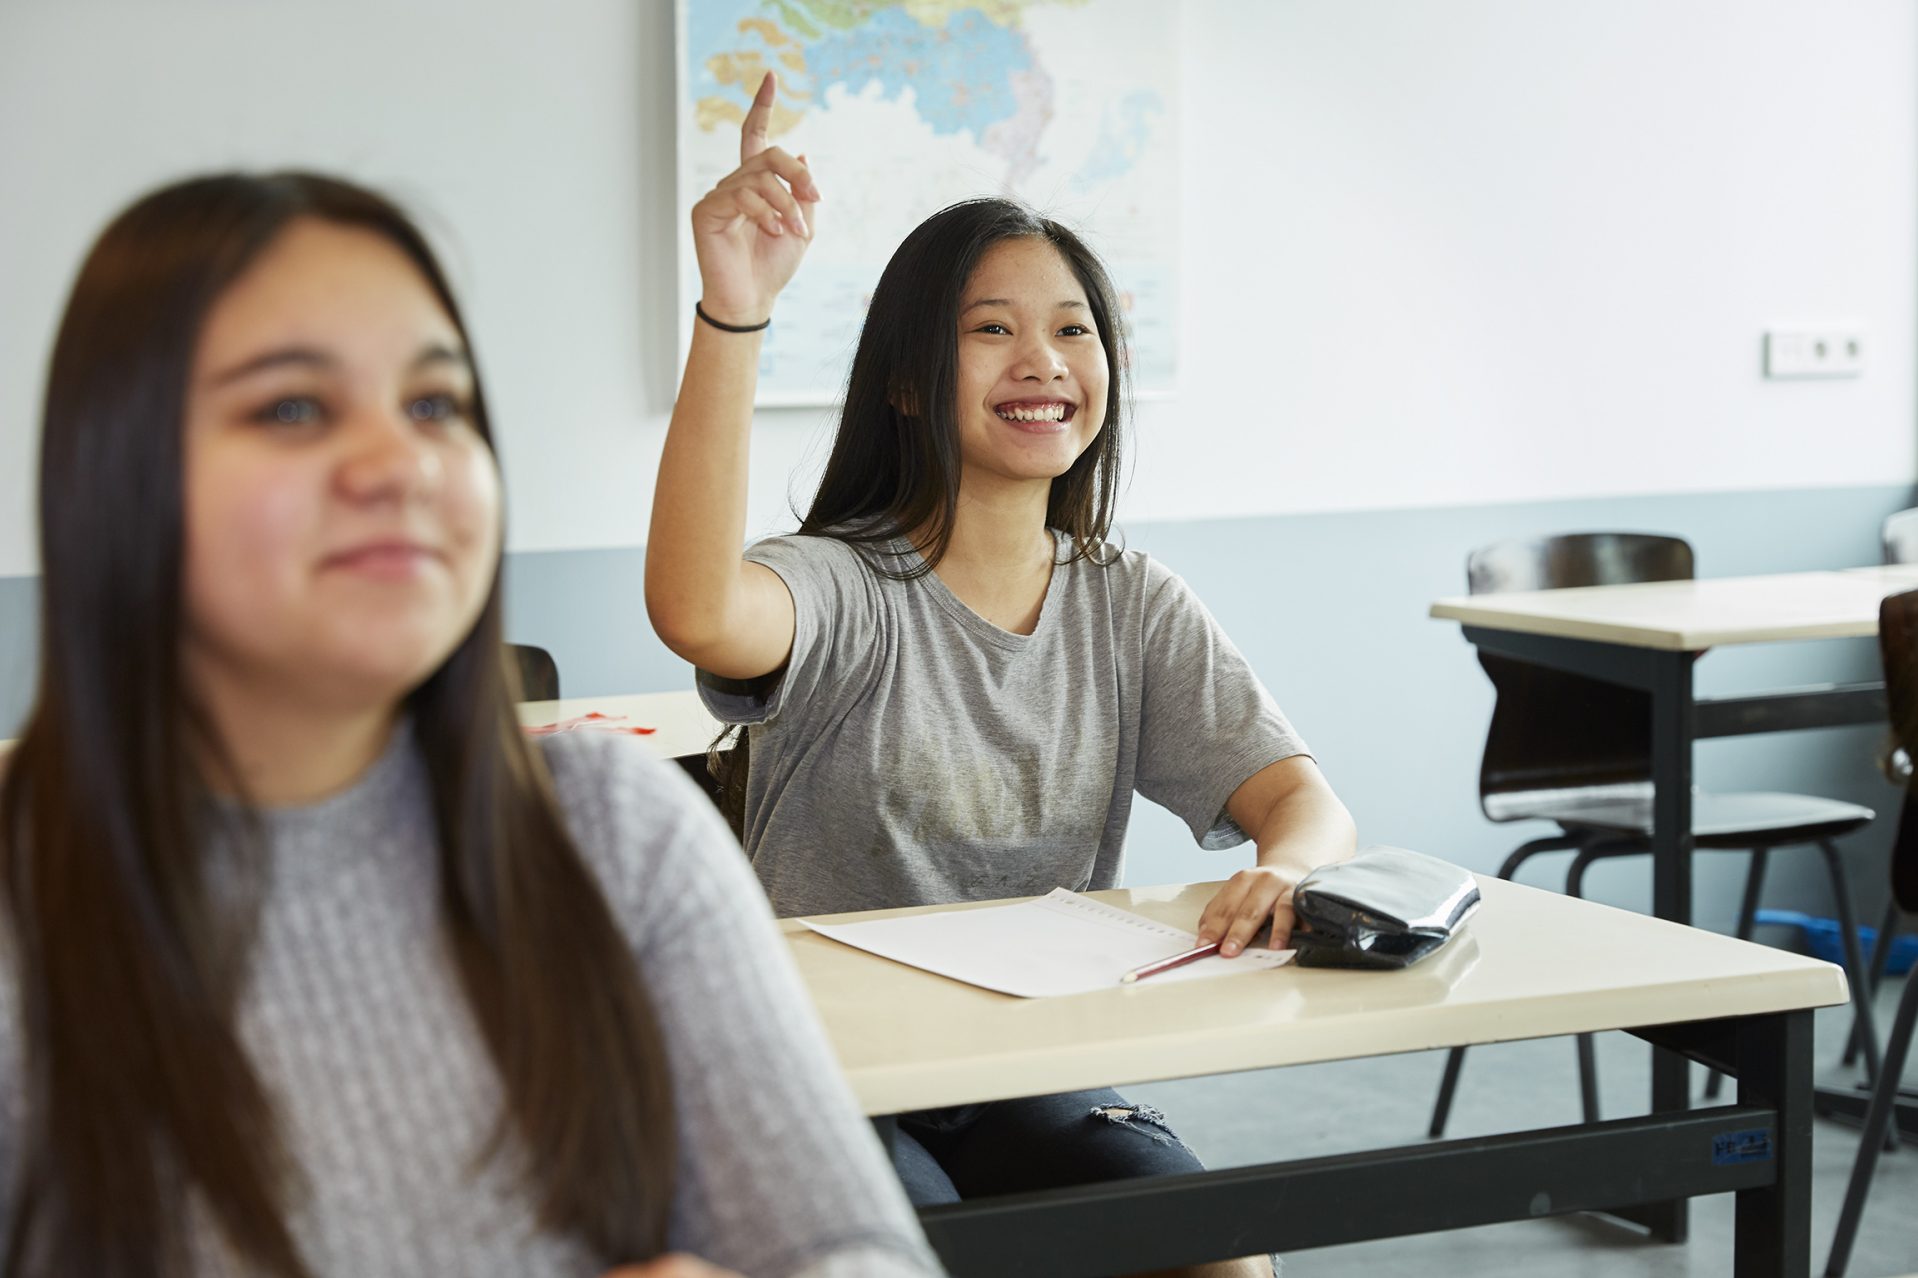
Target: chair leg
(1587,1057)
(1877,1126)
(1754,887)
(1854,956)
(1448,1086)
(1747,920)
(1575,877)
(1526,851)
(1587,1078)
(1880,954)
(1455,1059)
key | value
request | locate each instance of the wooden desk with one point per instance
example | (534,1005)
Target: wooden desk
(683,729)
(1531,964)
(1647,636)
(1691,616)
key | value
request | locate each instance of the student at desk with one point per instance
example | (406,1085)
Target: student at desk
(310,963)
(953,683)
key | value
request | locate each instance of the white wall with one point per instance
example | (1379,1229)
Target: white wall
(1490,250)
(1483,250)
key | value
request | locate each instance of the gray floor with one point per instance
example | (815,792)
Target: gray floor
(1350,1105)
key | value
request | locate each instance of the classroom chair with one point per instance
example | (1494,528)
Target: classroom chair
(1898,646)
(1576,751)
(1899,537)
(538,672)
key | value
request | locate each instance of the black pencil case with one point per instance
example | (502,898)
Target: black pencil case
(1386,907)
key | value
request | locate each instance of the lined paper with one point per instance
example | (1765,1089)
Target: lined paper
(1061,943)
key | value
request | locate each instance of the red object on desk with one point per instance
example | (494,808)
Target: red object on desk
(1167,964)
(595,722)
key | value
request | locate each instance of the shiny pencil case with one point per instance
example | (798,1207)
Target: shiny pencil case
(1386,907)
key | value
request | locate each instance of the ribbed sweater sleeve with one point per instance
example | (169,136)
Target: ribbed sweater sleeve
(778,1175)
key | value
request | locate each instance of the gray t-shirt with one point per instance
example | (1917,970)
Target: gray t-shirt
(354,1019)
(913,753)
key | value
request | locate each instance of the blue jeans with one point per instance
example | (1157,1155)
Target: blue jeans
(1041,1142)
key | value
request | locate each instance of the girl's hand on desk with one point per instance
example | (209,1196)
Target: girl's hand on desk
(1298,823)
(677,1265)
(750,231)
(1249,900)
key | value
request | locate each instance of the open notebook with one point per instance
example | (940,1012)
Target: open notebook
(1062,943)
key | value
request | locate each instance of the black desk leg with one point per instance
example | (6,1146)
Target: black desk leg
(1772,1236)
(1673,726)
(1673,729)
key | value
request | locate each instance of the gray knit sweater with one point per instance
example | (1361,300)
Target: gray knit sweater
(355,1021)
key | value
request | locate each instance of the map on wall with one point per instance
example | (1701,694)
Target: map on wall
(905,106)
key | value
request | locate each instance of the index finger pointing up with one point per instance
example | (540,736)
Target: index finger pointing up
(752,134)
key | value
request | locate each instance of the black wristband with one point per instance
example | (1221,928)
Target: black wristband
(730,328)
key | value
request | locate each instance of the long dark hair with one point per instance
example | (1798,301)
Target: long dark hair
(894,472)
(138,1086)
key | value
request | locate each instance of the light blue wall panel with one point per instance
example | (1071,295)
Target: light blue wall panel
(19,648)
(1330,609)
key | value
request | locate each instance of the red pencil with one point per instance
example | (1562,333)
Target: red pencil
(1167,964)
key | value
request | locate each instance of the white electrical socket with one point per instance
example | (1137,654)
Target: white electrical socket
(1836,350)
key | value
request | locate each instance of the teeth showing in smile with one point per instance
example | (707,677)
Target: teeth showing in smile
(1033,412)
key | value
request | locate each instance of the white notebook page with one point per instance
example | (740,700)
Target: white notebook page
(1062,943)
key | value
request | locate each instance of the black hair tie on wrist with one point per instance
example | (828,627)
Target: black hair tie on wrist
(730,328)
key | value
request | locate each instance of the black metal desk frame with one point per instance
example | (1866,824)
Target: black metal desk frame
(1679,720)
(1758,1148)
(1641,1169)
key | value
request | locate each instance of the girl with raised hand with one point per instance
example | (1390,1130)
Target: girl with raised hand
(309,962)
(953,683)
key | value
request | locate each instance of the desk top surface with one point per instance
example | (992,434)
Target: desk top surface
(1530,964)
(1690,616)
(679,721)
(681,726)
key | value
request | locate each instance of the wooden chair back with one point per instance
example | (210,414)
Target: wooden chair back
(1900,537)
(1898,646)
(1577,559)
(1555,734)
(538,672)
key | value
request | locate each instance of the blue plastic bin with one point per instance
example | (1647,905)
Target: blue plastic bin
(1822,939)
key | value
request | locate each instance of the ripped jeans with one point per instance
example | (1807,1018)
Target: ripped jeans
(1041,1142)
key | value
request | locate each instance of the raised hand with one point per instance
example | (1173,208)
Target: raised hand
(750,231)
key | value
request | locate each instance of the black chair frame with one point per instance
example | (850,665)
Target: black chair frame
(1898,646)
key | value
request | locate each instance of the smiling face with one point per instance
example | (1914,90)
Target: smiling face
(342,510)
(1032,372)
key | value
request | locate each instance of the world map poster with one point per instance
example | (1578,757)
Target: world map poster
(905,106)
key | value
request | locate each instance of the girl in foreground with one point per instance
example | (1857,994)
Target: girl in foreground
(954,684)
(311,964)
